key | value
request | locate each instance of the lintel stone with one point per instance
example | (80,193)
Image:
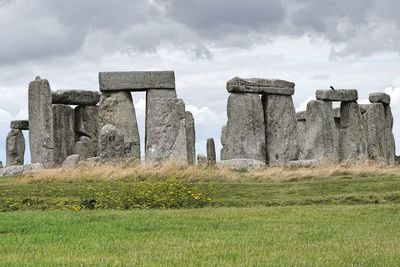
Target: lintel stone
(20,125)
(260,86)
(379,98)
(75,97)
(136,80)
(347,95)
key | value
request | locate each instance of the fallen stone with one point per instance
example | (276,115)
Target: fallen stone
(71,161)
(201,160)
(301,116)
(166,136)
(86,122)
(390,146)
(41,123)
(20,125)
(111,144)
(12,171)
(116,108)
(136,80)
(242,164)
(303,163)
(76,97)
(337,95)
(321,139)
(85,147)
(211,155)
(191,138)
(281,128)
(375,130)
(64,132)
(245,130)
(379,98)
(32,168)
(260,86)
(353,139)
(15,148)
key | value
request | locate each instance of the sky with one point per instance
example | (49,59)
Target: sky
(313,43)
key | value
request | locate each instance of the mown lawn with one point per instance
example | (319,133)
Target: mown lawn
(334,235)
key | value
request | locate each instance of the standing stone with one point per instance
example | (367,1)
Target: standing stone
(245,131)
(301,133)
(281,128)
(375,130)
(191,138)
(211,155)
(201,160)
(86,148)
(223,135)
(321,141)
(389,137)
(86,121)
(336,115)
(111,144)
(353,139)
(166,137)
(64,132)
(116,108)
(41,123)
(15,148)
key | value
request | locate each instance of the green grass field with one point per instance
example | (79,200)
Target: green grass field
(342,220)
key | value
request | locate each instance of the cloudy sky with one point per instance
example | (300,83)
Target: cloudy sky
(314,43)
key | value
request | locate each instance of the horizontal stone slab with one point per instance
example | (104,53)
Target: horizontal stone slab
(301,116)
(136,80)
(346,95)
(75,97)
(260,86)
(379,98)
(20,125)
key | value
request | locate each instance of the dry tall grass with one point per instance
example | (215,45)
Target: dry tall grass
(194,173)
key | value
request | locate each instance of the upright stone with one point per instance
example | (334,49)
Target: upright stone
(223,135)
(116,108)
(86,122)
(41,123)
(111,144)
(353,139)
(64,132)
(281,128)
(389,137)
(245,130)
(15,148)
(85,147)
(321,140)
(166,137)
(211,155)
(191,138)
(301,133)
(375,130)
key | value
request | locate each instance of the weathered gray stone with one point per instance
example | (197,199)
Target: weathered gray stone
(301,137)
(20,125)
(85,147)
(337,95)
(281,128)
(116,108)
(301,116)
(41,123)
(223,135)
(375,128)
(111,144)
(33,167)
(71,161)
(353,139)
(242,164)
(154,94)
(379,98)
(76,97)
(245,131)
(389,137)
(321,140)
(86,122)
(336,113)
(211,155)
(260,86)
(303,163)
(166,137)
(191,138)
(1,165)
(201,160)
(15,148)
(136,80)
(64,132)
(12,171)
